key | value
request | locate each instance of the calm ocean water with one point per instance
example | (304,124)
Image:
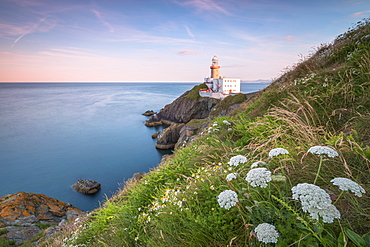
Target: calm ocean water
(52,134)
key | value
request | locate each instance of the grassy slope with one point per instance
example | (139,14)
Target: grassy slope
(323,100)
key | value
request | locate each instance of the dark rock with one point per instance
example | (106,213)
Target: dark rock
(182,110)
(20,234)
(25,221)
(137,176)
(86,186)
(149,113)
(168,137)
(155,135)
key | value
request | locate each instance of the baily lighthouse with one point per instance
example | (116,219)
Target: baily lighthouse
(218,86)
(215,68)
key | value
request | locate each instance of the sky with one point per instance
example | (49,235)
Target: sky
(164,40)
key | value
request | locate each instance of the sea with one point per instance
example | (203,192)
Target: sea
(53,134)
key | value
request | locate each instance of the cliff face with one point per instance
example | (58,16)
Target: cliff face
(187,107)
(184,109)
(22,213)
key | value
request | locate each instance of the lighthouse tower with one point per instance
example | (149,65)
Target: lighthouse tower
(215,68)
(219,87)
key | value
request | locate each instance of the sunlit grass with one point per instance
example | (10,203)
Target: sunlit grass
(322,101)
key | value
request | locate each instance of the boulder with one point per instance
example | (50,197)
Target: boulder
(86,186)
(149,113)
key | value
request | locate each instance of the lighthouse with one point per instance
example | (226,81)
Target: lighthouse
(219,87)
(215,68)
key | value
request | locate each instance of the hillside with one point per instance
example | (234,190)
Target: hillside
(289,167)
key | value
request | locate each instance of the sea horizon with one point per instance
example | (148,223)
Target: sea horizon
(242,81)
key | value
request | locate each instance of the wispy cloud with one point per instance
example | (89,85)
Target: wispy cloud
(102,20)
(188,52)
(205,6)
(70,52)
(360,14)
(143,38)
(189,32)
(41,26)
(289,38)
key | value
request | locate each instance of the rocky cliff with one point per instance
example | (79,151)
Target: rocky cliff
(185,108)
(189,106)
(22,213)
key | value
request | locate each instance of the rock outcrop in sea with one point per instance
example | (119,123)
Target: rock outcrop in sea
(22,213)
(180,112)
(86,186)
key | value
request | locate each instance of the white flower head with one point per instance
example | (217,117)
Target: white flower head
(323,150)
(258,177)
(227,198)
(258,163)
(277,152)
(231,176)
(346,184)
(316,202)
(266,233)
(226,122)
(236,160)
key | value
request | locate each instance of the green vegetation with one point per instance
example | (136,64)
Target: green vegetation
(194,92)
(207,194)
(3,241)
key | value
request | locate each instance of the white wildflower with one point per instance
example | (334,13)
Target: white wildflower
(316,202)
(227,199)
(236,160)
(230,129)
(231,176)
(323,150)
(266,233)
(277,152)
(258,163)
(226,122)
(215,124)
(258,177)
(346,184)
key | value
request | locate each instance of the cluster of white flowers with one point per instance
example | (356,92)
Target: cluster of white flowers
(277,152)
(227,199)
(323,150)
(226,122)
(236,160)
(258,163)
(346,184)
(266,233)
(258,177)
(231,176)
(316,202)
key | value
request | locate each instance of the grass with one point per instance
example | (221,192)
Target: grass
(323,100)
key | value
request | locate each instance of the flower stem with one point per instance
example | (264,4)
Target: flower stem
(341,193)
(318,171)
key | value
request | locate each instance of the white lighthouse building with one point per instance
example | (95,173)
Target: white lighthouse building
(219,87)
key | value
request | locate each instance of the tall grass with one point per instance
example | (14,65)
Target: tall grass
(322,101)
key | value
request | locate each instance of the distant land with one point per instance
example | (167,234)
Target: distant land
(256,81)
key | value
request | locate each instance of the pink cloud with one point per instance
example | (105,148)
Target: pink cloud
(360,14)
(188,52)
(289,38)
